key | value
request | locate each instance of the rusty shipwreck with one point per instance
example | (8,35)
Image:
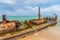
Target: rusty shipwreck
(7,26)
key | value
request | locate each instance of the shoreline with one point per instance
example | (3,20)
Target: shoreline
(50,33)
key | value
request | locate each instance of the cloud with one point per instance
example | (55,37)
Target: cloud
(36,1)
(27,11)
(40,2)
(51,10)
(7,1)
(33,11)
(29,7)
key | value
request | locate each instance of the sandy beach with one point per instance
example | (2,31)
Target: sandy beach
(50,33)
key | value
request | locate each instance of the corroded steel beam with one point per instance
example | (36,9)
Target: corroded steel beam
(39,13)
(4,18)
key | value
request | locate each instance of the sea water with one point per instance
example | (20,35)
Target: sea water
(20,18)
(24,18)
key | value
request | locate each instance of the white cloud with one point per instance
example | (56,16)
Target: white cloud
(28,10)
(51,10)
(32,8)
(7,1)
(39,1)
(44,11)
(54,8)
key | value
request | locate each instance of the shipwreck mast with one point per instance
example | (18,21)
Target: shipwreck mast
(39,13)
(4,18)
(55,16)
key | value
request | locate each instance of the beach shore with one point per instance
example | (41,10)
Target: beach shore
(50,33)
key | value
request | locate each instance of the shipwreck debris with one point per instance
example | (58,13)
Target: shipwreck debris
(7,26)
(39,20)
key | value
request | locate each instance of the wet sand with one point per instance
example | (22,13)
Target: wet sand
(50,33)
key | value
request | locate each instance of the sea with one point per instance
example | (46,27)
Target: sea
(24,18)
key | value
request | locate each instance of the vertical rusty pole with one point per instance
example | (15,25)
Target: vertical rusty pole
(4,18)
(39,13)
(55,16)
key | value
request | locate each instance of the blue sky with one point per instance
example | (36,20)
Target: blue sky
(29,7)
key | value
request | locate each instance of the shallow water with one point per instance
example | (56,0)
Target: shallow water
(23,18)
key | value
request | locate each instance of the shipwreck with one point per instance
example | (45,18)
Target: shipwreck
(8,26)
(39,20)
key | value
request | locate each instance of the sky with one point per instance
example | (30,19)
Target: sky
(29,7)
